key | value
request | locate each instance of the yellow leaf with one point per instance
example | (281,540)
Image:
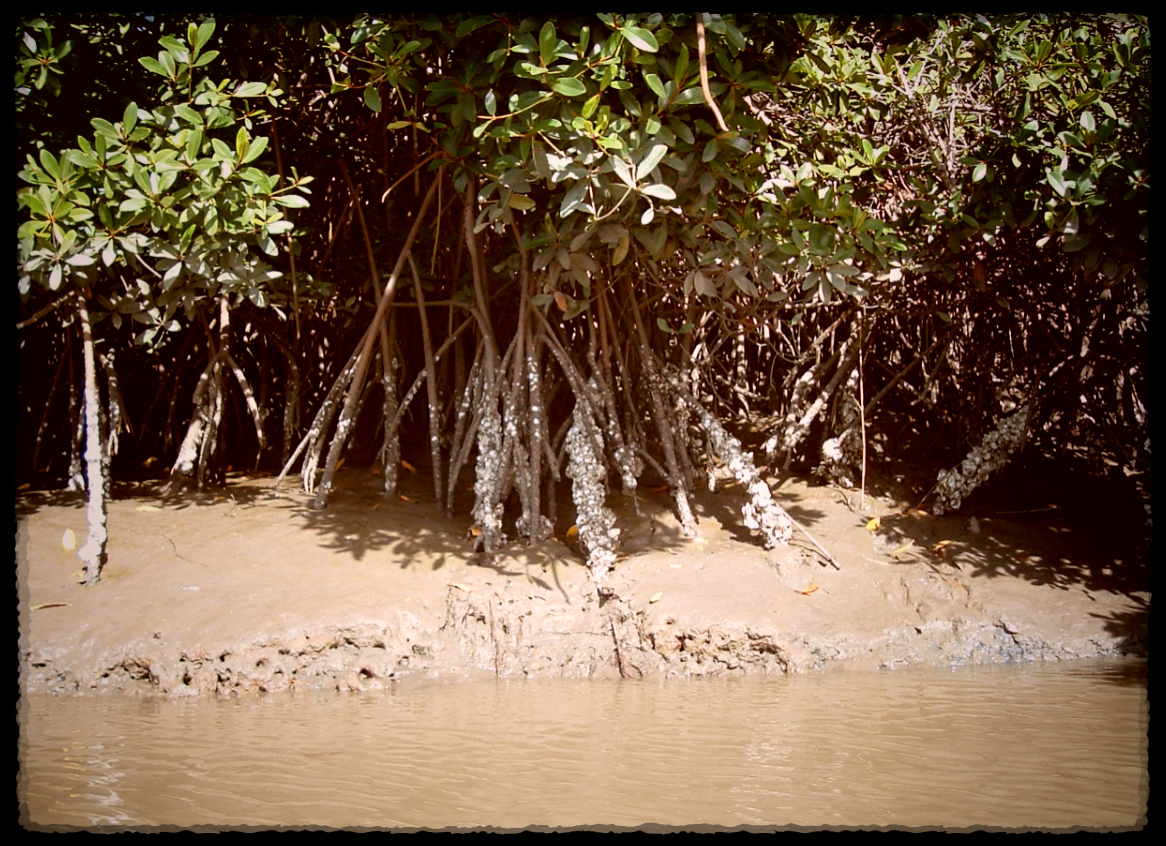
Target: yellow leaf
(902,548)
(403,498)
(873,523)
(572,533)
(147,508)
(69,540)
(461,587)
(621,249)
(408,466)
(813,587)
(24,487)
(656,597)
(340,463)
(916,512)
(475,530)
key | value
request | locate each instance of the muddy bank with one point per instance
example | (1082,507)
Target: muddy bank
(249,590)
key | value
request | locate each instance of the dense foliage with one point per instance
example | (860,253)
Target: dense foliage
(595,240)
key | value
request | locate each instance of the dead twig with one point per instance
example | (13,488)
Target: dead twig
(821,548)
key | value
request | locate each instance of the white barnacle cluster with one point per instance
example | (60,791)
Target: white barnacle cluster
(486,512)
(988,457)
(761,513)
(630,467)
(842,454)
(597,530)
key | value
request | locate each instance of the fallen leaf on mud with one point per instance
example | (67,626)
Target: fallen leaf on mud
(24,487)
(939,547)
(403,498)
(461,587)
(915,512)
(69,540)
(475,530)
(408,466)
(147,508)
(903,548)
(41,605)
(813,587)
(872,523)
(660,489)
(656,597)
(572,533)
(374,471)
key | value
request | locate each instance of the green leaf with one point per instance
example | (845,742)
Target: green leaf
(49,163)
(372,99)
(656,85)
(470,24)
(569,87)
(130,117)
(650,162)
(153,65)
(547,40)
(623,171)
(1057,180)
(680,71)
(193,144)
(660,192)
(641,38)
(255,150)
(250,89)
(242,144)
(205,31)
(188,114)
(703,285)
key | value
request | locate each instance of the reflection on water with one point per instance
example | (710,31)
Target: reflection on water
(1044,745)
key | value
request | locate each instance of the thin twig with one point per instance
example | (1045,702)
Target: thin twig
(821,548)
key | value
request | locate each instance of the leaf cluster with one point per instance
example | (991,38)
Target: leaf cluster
(165,208)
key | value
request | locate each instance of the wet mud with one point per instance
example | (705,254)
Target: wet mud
(248,589)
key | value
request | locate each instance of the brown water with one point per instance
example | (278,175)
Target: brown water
(1043,745)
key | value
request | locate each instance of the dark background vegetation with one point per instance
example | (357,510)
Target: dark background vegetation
(906,227)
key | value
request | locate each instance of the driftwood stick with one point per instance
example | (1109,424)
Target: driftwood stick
(814,541)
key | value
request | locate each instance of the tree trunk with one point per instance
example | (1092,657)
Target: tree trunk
(93,551)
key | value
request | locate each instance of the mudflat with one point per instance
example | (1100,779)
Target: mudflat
(247,589)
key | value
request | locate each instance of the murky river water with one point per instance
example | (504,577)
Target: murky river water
(1045,745)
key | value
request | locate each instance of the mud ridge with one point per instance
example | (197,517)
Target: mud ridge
(499,635)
